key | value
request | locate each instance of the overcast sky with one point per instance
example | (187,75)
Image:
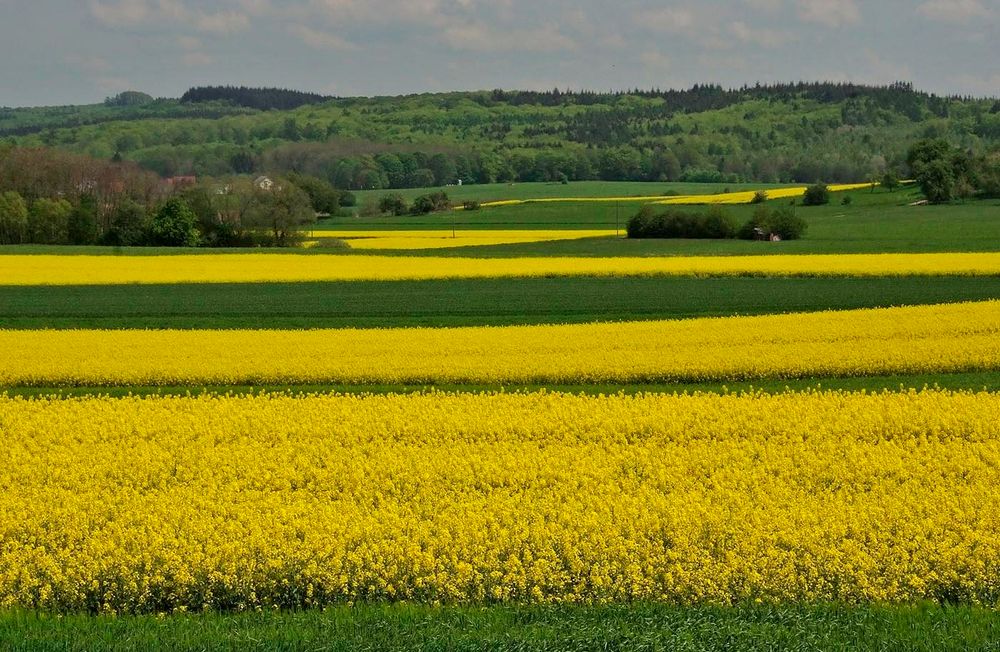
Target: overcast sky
(80,51)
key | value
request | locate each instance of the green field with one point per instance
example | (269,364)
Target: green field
(874,222)
(476,302)
(501,191)
(624,627)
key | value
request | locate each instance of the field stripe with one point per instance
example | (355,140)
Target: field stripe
(224,502)
(921,340)
(261,268)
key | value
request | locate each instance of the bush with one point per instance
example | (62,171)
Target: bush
(470,205)
(846,201)
(82,227)
(13,218)
(937,180)
(714,224)
(432,203)
(323,197)
(174,225)
(759,197)
(393,203)
(816,195)
(347,199)
(129,226)
(48,221)
(782,222)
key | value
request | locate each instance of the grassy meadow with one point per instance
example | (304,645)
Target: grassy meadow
(631,627)
(873,223)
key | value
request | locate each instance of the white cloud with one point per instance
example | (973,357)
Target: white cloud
(655,60)
(197,59)
(954,11)
(832,13)
(672,20)
(88,63)
(483,38)
(765,5)
(136,13)
(123,13)
(189,42)
(319,39)
(760,36)
(223,22)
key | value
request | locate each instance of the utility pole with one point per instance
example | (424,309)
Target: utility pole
(618,220)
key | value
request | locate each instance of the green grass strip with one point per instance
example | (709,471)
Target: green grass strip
(973,381)
(425,629)
(468,302)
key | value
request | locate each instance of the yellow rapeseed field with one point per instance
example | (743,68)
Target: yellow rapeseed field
(157,504)
(741,197)
(447,239)
(925,339)
(263,268)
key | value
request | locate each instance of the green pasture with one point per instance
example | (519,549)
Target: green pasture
(540,190)
(463,302)
(636,627)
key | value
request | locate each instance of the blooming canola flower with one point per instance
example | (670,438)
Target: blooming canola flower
(35,270)
(949,338)
(235,502)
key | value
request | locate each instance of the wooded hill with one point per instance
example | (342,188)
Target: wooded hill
(779,133)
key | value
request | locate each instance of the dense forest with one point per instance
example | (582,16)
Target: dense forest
(254,98)
(805,132)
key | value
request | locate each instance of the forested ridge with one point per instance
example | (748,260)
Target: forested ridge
(802,132)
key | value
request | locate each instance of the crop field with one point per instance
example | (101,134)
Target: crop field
(429,239)
(42,269)
(503,428)
(280,501)
(464,302)
(925,339)
(723,198)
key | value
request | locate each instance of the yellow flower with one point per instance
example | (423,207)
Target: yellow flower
(925,339)
(172,504)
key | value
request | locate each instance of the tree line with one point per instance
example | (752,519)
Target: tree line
(53,197)
(780,133)
(255,98)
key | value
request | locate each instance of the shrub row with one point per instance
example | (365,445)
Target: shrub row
(716,224)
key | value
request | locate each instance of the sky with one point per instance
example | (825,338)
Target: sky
(55,52)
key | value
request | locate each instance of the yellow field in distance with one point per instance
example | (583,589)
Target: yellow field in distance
(263,268)
(237,503)
(446,239)
(927,339)
(742,197)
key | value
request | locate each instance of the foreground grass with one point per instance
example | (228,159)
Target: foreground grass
(631,627)
(463,302)
(975,381)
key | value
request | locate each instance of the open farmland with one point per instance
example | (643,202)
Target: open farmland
(240,502)
(926,339)
(538,439)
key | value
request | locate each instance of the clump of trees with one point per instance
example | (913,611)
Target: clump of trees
(767,221)
(945,172)
(395,204)
(256,98)
(716,223)
(816,195)
(50,197)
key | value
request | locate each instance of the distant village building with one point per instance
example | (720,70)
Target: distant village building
(263,183)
